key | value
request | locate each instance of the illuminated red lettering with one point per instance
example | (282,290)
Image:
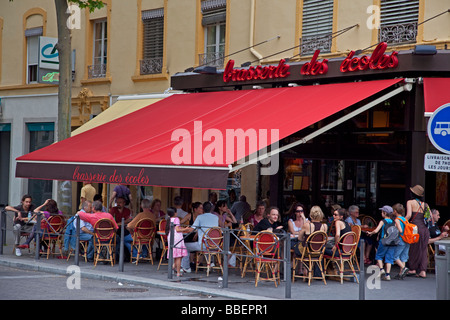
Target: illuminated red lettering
(252,73)
(377,61)
(315,67)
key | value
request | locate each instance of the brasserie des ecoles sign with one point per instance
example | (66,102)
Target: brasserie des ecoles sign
(377,61)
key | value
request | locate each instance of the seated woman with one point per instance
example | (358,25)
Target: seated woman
(341,228)
(316,215)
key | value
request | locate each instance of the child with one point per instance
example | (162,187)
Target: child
(401,253)
(384,252)
(179,249)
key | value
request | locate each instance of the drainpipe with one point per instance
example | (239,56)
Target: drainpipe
(252,30)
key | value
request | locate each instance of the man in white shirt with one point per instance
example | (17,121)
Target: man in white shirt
(86,230)
(201,224)
(178,203)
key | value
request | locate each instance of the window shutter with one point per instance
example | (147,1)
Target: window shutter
(213,11)
(317,26)
(399,11)
(398,21)
(153,21)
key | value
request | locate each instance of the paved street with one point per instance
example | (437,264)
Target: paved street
(47,286)
(101,282)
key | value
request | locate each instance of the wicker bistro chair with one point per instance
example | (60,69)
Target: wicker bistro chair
(104,241)
(52,233)
(84,244)
(212,246)
(267,249)
(143,236)
(369,221)
(164,242)
(343,253)
(357,230)
(311,256)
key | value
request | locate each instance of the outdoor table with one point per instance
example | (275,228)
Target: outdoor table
(366,229)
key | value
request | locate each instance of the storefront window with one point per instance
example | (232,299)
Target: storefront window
(298,174)
(41,135)
(332,175)
(297,182)
(5,138)
(366,186)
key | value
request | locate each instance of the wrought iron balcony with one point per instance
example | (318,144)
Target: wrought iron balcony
(96,71)
(308,45)
(398,34)
(213,59)
(151,66)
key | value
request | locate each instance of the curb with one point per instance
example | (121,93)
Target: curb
(114,277)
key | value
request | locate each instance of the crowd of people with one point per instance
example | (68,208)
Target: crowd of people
(412,259)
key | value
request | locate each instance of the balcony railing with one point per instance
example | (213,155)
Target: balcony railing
(308,45)
(151,66)
(214,59)
(96,71)
(399,33)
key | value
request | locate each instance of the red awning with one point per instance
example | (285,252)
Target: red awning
(189,140)
(436,93)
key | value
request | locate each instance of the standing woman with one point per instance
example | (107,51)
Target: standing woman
(416,212)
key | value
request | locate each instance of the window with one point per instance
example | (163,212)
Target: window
(41,135)
(398,21)
(98,67)
(5,154)
(153,46)
(214,23)
(317,26)
(32,37)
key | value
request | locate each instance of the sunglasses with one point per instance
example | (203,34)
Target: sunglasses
(299,210)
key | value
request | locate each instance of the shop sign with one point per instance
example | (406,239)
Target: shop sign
(377,61)
(439,128)
(437,162)
(255,73)
(48,53)
(315,67)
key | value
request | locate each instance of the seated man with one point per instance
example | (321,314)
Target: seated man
(146,213)
(97,215)
(201,224)
(270,223)
(119,212)
(86,230)
(20,221)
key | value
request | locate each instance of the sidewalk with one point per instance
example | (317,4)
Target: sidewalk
(146,274)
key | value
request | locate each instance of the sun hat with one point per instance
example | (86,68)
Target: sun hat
(418,190)
(387,209)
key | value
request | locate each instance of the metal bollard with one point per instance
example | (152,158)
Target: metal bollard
(287,263)
(77,243)
(170,262)
(122,242)
(37,239)
(2,230)
(226,249)
(362,275)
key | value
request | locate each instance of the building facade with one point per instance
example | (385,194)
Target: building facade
(138,47)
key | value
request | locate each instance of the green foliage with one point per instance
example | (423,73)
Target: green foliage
(90,4)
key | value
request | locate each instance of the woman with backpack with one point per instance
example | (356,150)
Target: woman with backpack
(386,249)
(417,211)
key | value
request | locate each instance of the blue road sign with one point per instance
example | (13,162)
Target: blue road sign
(439,128)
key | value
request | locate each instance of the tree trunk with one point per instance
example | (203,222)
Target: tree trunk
(64,193)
